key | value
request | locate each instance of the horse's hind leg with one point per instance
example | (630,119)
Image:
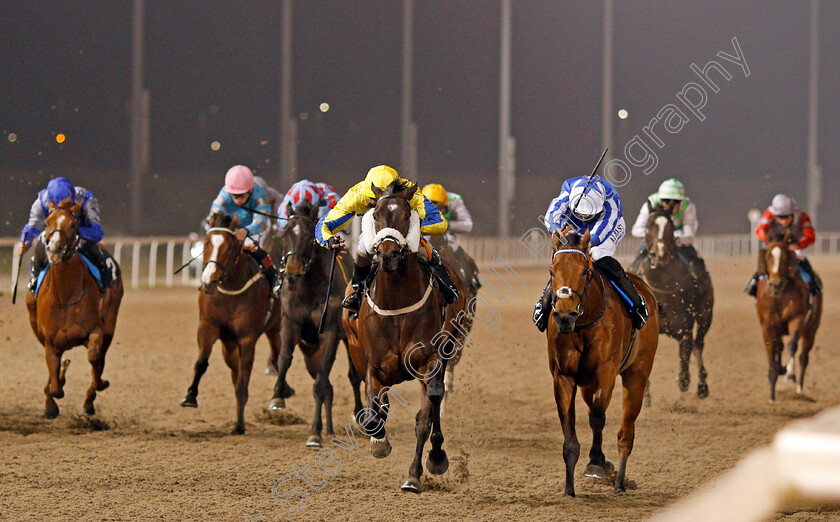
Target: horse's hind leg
(355,382)
(422,429)
(599,466)
(289,338)
(243,377)
(55,383)
(96,357)
(437,462)
(322,389)
(207,335)
(699,344)
(684,378)
(634,383)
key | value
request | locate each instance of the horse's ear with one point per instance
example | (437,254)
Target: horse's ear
(555,241)
(76,208)
(289,210)
(786,239)
(313,212)
(649,206)
(234,222)
(377,192)
(409,193)
(50,205)
(584,243)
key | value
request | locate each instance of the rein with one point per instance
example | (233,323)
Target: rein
(226,269)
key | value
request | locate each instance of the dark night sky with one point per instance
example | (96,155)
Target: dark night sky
(213,71)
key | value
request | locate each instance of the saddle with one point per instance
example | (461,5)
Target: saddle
(91,268)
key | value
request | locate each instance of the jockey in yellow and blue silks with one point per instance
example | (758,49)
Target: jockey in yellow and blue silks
(246,200)
(356,202)
(90,229)
(593,205)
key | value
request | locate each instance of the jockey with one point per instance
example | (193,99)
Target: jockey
(783,216)
(242,198)
(452,206)
(90,229)
(321,195)
(356,201)
(598,209)
(671,197)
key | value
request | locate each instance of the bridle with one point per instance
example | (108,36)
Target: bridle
(566,292)
(71,242)
(670,252)
(308,263)
(232,262)
(399,240)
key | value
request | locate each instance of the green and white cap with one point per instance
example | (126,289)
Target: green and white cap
(671,189)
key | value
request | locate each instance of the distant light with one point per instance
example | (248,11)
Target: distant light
(263,143)
(12,137)
(324,107)
(60,138)
(215,145)
(622,113)
(304,116)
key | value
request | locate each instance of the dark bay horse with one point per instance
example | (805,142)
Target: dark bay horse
(686,303)
(70,310)
(235,307)
(404,330)
(785,307)
(590,342)
(307,272)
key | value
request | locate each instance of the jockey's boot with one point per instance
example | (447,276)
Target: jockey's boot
(445,284)
(752,287)
(696,266)
(275,280)
(636,306)
(100,259)
(541,309)
(814,282)
(354,301)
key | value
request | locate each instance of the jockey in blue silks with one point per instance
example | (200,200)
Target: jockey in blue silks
(90,229)
(246,200)
(597,208)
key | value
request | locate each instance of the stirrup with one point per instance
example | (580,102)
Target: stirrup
(353,302)
(639,315)
(540,317)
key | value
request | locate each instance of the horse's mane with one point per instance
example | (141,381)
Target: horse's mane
(776,235)
(574,239)
(397,187)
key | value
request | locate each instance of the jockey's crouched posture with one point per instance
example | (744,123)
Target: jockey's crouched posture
(598,209)
(357,201)
(320,195)
(90,229)
(783,216)
(241,197)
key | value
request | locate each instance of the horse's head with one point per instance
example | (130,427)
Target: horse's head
(221,250)
(571,274)
(61,231)
(298,240)
(659,237)
(393,229)
(780,263)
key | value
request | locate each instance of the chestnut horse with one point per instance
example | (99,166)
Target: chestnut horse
(687,304)
(70,310)
(785,307)
(235,307)
(590,342)
(403,331)
(307,272)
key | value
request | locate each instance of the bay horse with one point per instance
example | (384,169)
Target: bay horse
(590,342)
(687,304)
(404,329)
(306,274)
(785,307)
(70,310)
(235,306)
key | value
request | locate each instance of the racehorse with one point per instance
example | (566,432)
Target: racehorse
(785,308)
(686,303)
(69,309)
(404,329)
(307,272)
(590,342)
(235,307)
(464,269)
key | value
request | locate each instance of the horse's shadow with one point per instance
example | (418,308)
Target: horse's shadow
(29,421)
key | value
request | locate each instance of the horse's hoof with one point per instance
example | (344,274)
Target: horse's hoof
(88,409)
(702,390)
(277,404)
(104,386)
(380,448)
(51,413)
(437,464)
(238,430)
(683,383)
(790,377)
(289,392)
(189,402)
(619,488)
(600,472)
(569,492)
(412,485)
(270,371)
(314,441)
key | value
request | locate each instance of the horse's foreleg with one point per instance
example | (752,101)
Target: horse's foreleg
(599,466)
(55,382)
(422,428)
(289,338)
(273,336)
(684,378)
(207,335)
(322,388)
(96,357)
(634,383)
(773,347)
(564,396)
(243,377)
(355,382)
(437,462)
(373,417)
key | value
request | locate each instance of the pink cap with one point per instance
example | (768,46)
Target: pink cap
(239,180)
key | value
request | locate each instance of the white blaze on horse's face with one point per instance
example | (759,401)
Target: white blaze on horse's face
(776,252)
(296,230)
(393,207)
(661,224)
(216,241)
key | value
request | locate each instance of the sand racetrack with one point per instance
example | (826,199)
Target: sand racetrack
(145,457)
